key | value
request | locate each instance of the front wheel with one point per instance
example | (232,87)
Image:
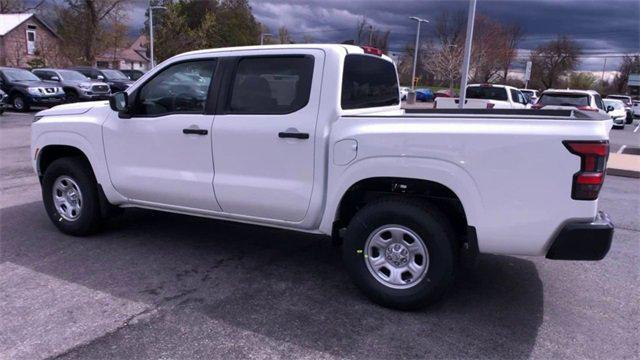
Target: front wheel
(400,253)
(70,196)
(20,103)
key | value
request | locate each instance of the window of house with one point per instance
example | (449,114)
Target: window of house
(31,41)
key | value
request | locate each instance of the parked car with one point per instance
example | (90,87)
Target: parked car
(615,109)
(4,101)
(132,74)
(628,105)
(26,90)
(587,100)
(445,93)
(486,96)
(75,85)
(636,108)
(403,92)
(424,95)
(531,95)
(117,81)
(409,192)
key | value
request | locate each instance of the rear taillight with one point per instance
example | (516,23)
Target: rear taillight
(586,108)
(490,105)
(593,162)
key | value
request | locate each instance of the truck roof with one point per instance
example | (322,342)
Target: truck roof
(349,49)
(571,91)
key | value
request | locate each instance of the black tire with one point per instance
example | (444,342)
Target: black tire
(79,170)
(19,103)
(71,96)
(424,220)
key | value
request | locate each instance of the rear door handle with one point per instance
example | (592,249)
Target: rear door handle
(195,131)
(293,135)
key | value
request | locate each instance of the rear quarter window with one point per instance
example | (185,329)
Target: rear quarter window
(368,81)
(564,99)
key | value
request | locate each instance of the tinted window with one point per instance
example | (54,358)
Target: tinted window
(271,85)
(368,81)
(599,103)
(561,99)
(180,88)
(488,93)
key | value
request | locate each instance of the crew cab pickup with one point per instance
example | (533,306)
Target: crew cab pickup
(312,138)
(486,96)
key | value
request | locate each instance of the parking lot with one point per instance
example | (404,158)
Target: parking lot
(160,285)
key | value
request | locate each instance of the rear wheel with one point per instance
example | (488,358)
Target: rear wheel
(400,253)
(70,196)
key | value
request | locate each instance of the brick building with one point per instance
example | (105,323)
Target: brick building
(26,38)
(133,57)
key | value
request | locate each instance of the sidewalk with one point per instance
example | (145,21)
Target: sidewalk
(624,165)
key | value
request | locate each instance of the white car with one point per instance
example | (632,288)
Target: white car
(586,100)
(403,92)
(615,109)
(486,96)
(531,95)
(628,105)
(312,138)
(636,108)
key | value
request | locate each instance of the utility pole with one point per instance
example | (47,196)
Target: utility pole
(467,53)
(370,34)
(415,51)
(603,66)
(151,58)
(262,36)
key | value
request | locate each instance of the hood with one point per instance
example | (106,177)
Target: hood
(27,84)
(72,109)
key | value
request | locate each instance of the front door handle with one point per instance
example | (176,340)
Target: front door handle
(195,131)
(293,135)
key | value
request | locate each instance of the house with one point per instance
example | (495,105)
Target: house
(132,58)
(26,41)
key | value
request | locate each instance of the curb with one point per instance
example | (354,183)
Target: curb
(623,173)
(624,165)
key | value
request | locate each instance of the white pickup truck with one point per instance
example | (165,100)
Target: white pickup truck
(312,138)
(486,96)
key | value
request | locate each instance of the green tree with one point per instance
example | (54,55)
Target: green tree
(553,60)
(581,80)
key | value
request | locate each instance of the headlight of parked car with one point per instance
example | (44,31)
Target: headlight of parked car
(34,91)
(85,86)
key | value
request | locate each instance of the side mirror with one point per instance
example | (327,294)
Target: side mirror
(119,101)
(609,108)
(55,78)
(100,77)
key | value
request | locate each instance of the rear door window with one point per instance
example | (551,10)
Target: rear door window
(488,93)
(271,85)
(561,99)
(368,81)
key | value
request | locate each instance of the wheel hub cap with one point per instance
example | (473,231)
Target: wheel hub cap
(67,198)
(396,256)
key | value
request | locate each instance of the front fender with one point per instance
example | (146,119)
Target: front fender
(443,172)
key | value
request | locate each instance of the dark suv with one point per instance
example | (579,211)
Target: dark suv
(25,89)
(133,74)
(116,80)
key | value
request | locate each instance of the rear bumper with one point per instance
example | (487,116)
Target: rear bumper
(583,241)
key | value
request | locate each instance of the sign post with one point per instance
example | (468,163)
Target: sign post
(527,74)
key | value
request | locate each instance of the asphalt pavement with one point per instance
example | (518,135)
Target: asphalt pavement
(160,285)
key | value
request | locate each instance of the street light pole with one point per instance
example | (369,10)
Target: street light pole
(262,36)
(415,50)
(467,53)
(151,57)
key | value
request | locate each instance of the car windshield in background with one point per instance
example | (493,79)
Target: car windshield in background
(624,99)
(72,75)
(615,104)
(114,75)
(20,75)
(564,99)
(487,93)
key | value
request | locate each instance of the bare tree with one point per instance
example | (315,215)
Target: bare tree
(18,6)
(283,35)
(513,35)
(361,30)
(630,65)
(445,62)
(552,60)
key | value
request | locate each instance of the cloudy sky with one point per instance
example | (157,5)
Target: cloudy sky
(604,28)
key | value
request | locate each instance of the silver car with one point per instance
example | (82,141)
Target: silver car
(77,87)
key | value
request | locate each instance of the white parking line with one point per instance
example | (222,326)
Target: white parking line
(637,127)
(621,149)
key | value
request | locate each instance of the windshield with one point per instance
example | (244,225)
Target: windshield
(615,104)
(114,75)
(72,75)
(564,99)
(487,93)
(624,99)
(19,75)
